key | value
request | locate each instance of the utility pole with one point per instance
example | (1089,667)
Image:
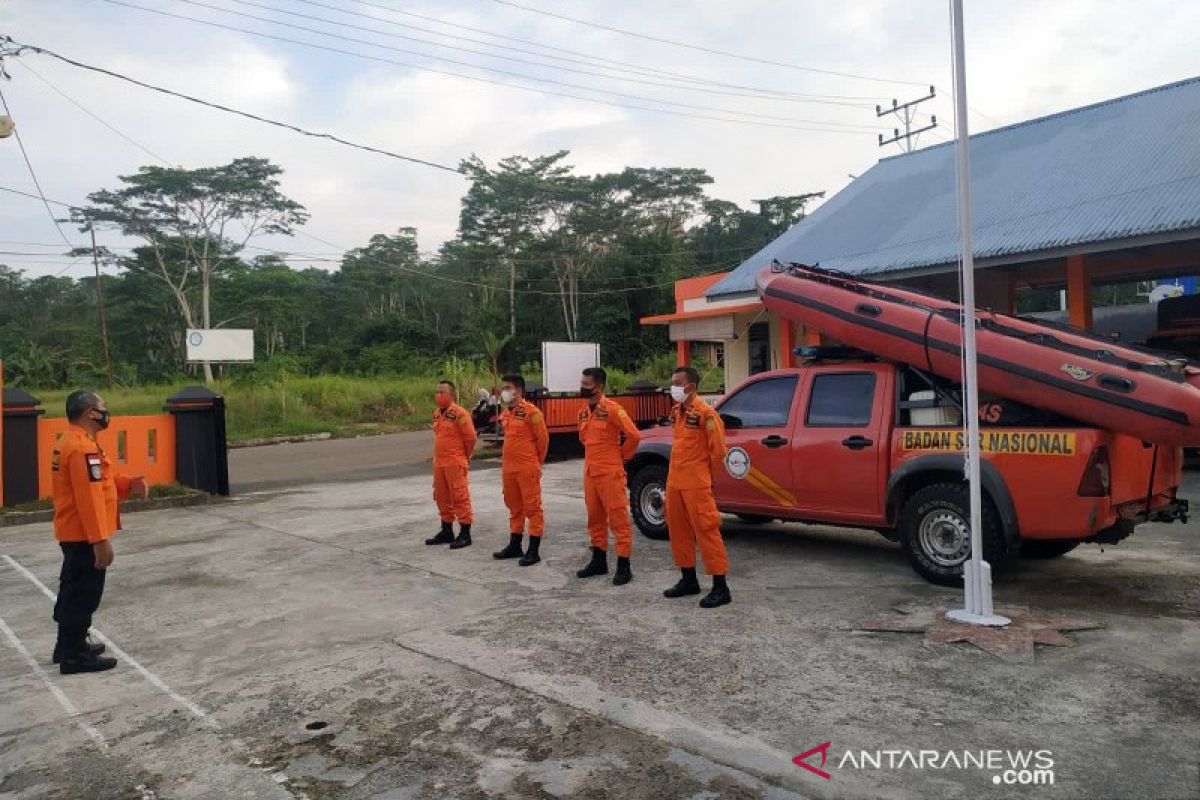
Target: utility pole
(108,374)
(907,113)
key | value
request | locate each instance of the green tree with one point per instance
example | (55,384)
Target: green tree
(205,216)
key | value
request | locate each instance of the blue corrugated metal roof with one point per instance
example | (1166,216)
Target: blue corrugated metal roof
(1122,168)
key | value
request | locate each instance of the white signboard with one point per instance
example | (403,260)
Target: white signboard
(220,344)
(563,362)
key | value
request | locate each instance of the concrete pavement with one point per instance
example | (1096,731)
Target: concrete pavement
(305,643)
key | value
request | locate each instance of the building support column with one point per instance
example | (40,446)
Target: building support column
(787,343)
(684,349)
(1079,292)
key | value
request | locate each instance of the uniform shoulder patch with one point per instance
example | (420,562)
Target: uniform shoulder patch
(535,416)
(55,460)
(95,471)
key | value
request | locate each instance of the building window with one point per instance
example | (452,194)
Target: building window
(759,340)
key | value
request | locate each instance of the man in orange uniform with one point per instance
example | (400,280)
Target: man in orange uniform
(526,440)
(453,446)
(86,515)
(609,438)
(697,448)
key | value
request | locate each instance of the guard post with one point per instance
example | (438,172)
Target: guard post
(20,446)
(201,452)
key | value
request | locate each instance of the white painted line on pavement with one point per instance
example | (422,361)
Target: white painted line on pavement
(154,680)
(63,700)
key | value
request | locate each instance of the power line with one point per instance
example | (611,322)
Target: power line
(39,197)
(246,114)
(94,116)
(701,86)
(703,49)
(510,73)
(32,174)
(642,69)
(476,78)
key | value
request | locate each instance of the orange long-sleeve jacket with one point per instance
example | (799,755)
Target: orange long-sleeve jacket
(698,446)
(453,437)
(609,436)
(86,489)
(526,437)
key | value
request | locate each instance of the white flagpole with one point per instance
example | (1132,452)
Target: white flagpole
(977,574)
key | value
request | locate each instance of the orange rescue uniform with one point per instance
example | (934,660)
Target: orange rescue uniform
(86,489)
(698,447)
(609,438)
(526,440)
(453,445)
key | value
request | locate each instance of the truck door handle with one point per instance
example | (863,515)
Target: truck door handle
(857,442)
(774,441)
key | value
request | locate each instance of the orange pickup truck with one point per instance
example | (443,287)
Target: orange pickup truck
(870,444)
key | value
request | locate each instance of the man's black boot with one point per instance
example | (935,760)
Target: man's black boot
(444,536)
(94,648)
(597,566)
(687,584)
(464,537)
(719,595)
(513,550)
(624,575)
(84,661)
(531,556)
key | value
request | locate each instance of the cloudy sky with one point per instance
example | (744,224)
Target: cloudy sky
(805,122)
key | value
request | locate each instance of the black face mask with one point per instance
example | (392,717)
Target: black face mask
(585,391)
(103,420)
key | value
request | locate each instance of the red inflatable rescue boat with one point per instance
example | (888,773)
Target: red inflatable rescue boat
(1058,368)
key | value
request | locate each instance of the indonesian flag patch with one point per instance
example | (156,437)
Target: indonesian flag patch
(93,464)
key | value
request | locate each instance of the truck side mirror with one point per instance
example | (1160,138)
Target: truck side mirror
(731,422)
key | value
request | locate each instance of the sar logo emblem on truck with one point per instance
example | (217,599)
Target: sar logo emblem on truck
(737,463)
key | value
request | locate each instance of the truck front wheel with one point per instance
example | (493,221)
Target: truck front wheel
(936,533)
(648,500)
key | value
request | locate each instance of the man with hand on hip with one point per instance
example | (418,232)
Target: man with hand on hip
(86,516)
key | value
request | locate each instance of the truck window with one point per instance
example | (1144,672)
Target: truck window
(762,404)
(841,400)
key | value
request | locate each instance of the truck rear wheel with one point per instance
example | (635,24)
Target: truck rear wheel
(936,533)
(1047,548)
(648,500)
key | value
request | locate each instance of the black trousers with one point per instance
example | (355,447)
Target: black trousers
(80,587)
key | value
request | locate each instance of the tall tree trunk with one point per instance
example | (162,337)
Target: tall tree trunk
(206,311)
(512,297)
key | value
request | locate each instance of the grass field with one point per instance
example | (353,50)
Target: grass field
(266,405)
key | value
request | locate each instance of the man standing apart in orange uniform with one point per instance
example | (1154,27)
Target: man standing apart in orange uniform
(86,515)
(526,440)
(609,438)
(697,448)
(453,445)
